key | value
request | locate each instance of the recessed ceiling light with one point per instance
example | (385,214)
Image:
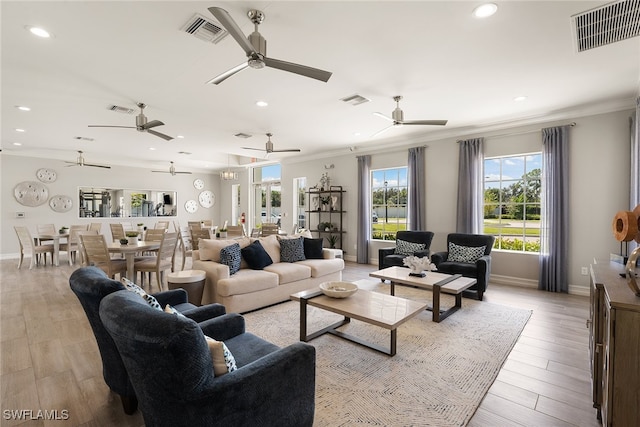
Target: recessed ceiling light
(152,148)
(40,32)
(262,103)
(180,136)
(23,108)
(356,134)
(519,98)
(485,10)
(19,130)
(17,143)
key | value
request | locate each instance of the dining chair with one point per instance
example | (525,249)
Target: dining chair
(164,260)
(194,225)
(207,223)
(269,228)
(153,235)
(45,229)
(117,231)
(196,235)
(71,245)
(97,226)
(28,246)
(95,247)
(162,225)
(235,231)
(128,226)
(186,246)
(255,232)
(81,250)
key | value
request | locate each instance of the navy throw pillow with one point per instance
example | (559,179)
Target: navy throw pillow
(255,255)
(313,248)
(230,255)
(292,250)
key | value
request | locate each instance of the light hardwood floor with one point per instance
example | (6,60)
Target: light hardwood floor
(50,360)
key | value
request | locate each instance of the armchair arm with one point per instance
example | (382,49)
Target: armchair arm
(223,327)
(286,376)
(209,311)
(422,254)
(383,252)
(484,271)
(172,297)
(439,257)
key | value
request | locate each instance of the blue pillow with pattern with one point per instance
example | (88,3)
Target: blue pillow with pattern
(292,250)
(230,256)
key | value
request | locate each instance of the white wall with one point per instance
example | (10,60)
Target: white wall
(16,169)
(599,187)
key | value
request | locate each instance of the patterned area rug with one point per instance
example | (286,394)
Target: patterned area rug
(438,377)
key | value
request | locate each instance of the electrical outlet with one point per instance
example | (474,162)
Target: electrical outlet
(584,271)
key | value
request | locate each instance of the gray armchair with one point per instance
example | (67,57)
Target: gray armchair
(389,257)
(479,269)
(171,369)
(91,285)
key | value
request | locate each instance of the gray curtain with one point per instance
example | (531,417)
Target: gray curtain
(417,189)
(364,204)
(469,216)
(554,228)
(634,199)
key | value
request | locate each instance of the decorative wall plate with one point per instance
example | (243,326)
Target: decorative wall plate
(47,175)
(198,184)
(31,193)
(191,206)
(60,203)
(207,199)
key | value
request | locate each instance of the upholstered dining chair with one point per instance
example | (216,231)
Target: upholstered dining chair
(91,285)
(29,247)
(469,255)
(95,248)
(171,369)
(416,243)
(160,263)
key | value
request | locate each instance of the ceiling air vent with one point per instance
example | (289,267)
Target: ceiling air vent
(355,99)
(613,22)
(242,135)
(118,109)
(205,29)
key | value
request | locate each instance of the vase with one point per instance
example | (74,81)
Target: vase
(223,234)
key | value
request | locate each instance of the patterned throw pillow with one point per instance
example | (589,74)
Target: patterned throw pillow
(459,253)
(408,248)
(132,287)
(169,309)
(223,360)
(230,256)
(292,250)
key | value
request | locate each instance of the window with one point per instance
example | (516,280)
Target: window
(389,202)
(512,201)
(267,192)
(299,203)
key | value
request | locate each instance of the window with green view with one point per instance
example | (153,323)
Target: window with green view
(388,202)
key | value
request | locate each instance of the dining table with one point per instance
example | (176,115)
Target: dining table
(56,244)
(130,250)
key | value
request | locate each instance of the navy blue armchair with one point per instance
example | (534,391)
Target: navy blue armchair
(91,285)
(479,269)
(387,257)
(171,369)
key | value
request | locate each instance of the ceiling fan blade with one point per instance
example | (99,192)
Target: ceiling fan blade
(224,76)
(302,70)
(381,131)
(97,166)
(161,171)
(383,116)
(183,173)
(110,126)
(230,25)
(161,135)
(152,124)
(425,122)
(251,148)
(286,150)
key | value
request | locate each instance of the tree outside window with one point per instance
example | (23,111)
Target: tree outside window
(512,187)
(388,202)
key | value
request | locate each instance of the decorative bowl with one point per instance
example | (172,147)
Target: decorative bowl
(338,289)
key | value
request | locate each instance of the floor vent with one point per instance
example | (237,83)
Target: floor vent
(205,29)
(611,23)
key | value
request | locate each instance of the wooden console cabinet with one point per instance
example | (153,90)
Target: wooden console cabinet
(614,344)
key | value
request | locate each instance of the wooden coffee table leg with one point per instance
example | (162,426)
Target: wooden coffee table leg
(436,303)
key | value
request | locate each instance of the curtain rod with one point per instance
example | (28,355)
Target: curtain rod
(572,124)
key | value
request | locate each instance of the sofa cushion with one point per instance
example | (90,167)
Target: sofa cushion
(256,256)
(210,248)
(313,248)
(246,281)
(322,267)
(291,250)
(289,272)
(469,254)
(223,360)
(271,244)
(404,247)
(230,256)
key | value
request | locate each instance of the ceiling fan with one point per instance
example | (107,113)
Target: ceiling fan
(80,162)
(269,147)
(142,125)
(172,170)
(255,46)
(397,118)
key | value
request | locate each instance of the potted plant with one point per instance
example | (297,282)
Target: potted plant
(141,227)
(333,239)
(223,232)
(325,202)
(63,230)
(132,237)
(124,242)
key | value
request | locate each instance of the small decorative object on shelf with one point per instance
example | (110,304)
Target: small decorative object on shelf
(418,265)
(631,273)
(325,208)
(333,239)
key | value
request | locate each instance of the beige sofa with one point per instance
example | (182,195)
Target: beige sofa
(249,289)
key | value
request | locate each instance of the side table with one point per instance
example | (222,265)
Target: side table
(191,281)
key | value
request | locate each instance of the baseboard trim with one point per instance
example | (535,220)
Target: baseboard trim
(9,256)
(514,281)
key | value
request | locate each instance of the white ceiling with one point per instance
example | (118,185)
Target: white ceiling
(446,63)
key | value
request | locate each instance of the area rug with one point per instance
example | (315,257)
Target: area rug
(438,377)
